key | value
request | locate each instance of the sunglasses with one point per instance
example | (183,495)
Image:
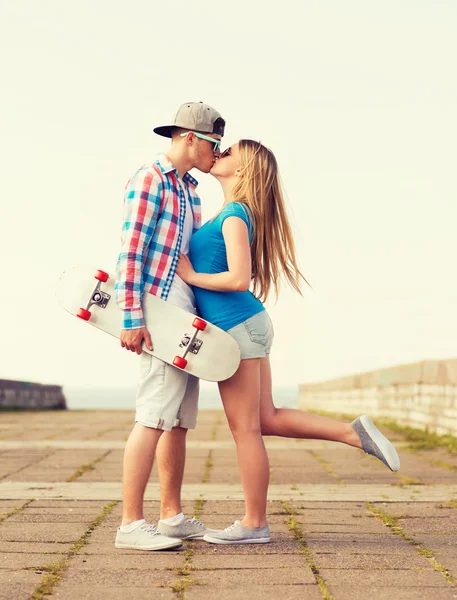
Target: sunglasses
(226,152)
(216,143)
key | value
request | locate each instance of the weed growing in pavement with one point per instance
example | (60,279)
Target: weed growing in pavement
(208,467)
(421,439)
(55,571)
(294,527)
(87,467)
(392,522)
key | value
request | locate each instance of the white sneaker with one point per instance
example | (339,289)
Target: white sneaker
(145,537)
(238,534)
(186,529)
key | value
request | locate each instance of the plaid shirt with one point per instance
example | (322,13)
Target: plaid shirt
(154,212)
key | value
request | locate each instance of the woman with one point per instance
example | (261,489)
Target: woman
(250,239)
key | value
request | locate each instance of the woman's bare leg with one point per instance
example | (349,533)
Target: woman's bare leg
(294,423)
(241,399)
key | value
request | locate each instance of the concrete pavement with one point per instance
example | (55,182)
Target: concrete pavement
(343,526)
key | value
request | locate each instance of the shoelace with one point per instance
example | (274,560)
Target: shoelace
(149,529)
(195,521)
(231,527)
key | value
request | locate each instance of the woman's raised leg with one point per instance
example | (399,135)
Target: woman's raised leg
(294,423)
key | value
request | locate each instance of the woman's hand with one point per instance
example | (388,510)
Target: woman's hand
(185,269)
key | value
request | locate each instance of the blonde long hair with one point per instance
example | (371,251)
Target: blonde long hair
(272,247)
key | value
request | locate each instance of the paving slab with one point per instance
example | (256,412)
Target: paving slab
(241,577)
(370,561)
(360,548)
(49,518)
(71,592)
(122,561)
(383,578)
(378,592)
(27,560)
(25,581)
(35,547)
(127,578)
(254,592)
(259,561)
(41,532)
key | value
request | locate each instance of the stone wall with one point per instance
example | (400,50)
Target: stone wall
(24,395)
(422,394)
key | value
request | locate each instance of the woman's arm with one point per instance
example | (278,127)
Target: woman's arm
(238,277)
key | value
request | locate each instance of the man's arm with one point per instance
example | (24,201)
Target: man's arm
(141,210)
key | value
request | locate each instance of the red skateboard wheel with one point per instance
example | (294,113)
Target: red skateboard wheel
(180,362)
(101,276)
(83,314)
(199,324)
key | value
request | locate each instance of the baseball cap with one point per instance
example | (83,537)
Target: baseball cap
(195,116)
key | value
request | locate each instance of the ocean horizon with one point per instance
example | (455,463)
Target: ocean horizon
(104,398)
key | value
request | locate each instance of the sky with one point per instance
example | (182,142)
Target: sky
(357,101)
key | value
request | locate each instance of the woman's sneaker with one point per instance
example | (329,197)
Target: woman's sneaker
(375,443)
(186,529)
(145,537)
(238,534)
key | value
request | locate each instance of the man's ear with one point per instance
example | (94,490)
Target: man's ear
(190,138)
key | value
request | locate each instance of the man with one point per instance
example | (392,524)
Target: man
(162,210)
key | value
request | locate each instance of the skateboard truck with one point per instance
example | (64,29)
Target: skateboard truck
(195,346)
(97,297)
(190,343)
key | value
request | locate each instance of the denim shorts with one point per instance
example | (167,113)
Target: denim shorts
(254,336)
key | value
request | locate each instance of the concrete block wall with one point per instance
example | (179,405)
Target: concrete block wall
(422,394)
(25,395)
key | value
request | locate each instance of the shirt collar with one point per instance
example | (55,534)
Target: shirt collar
(166,166)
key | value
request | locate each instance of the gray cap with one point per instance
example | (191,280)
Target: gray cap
(195,116)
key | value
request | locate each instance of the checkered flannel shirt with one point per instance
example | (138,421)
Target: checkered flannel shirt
(154,212)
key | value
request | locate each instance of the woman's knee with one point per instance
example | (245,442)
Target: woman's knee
(243,431)
(267,422)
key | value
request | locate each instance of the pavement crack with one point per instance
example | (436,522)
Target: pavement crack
(392,521)
(185,579)
(208,467)
(87,467)
(324,464)
(299,536)
(215,427)
(433,461)
(30,464)
(17,510)
(55,571)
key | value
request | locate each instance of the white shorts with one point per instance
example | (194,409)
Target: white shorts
(166,396)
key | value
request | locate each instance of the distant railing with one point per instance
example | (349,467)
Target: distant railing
(422,394)
(24,395)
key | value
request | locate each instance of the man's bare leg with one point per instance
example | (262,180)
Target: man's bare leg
(171,458)
(138,460)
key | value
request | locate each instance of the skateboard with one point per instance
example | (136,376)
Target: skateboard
(178,337)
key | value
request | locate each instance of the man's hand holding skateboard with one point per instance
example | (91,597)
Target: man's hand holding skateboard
(132,339)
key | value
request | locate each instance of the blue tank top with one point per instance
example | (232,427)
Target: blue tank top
(208,254)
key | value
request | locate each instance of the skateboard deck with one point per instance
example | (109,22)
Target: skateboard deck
(178,337)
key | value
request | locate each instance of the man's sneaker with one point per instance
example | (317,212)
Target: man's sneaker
(375,443)
(238,534)
(145,537)
(186,529)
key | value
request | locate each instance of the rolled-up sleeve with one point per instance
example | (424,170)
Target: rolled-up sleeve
(141,211)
